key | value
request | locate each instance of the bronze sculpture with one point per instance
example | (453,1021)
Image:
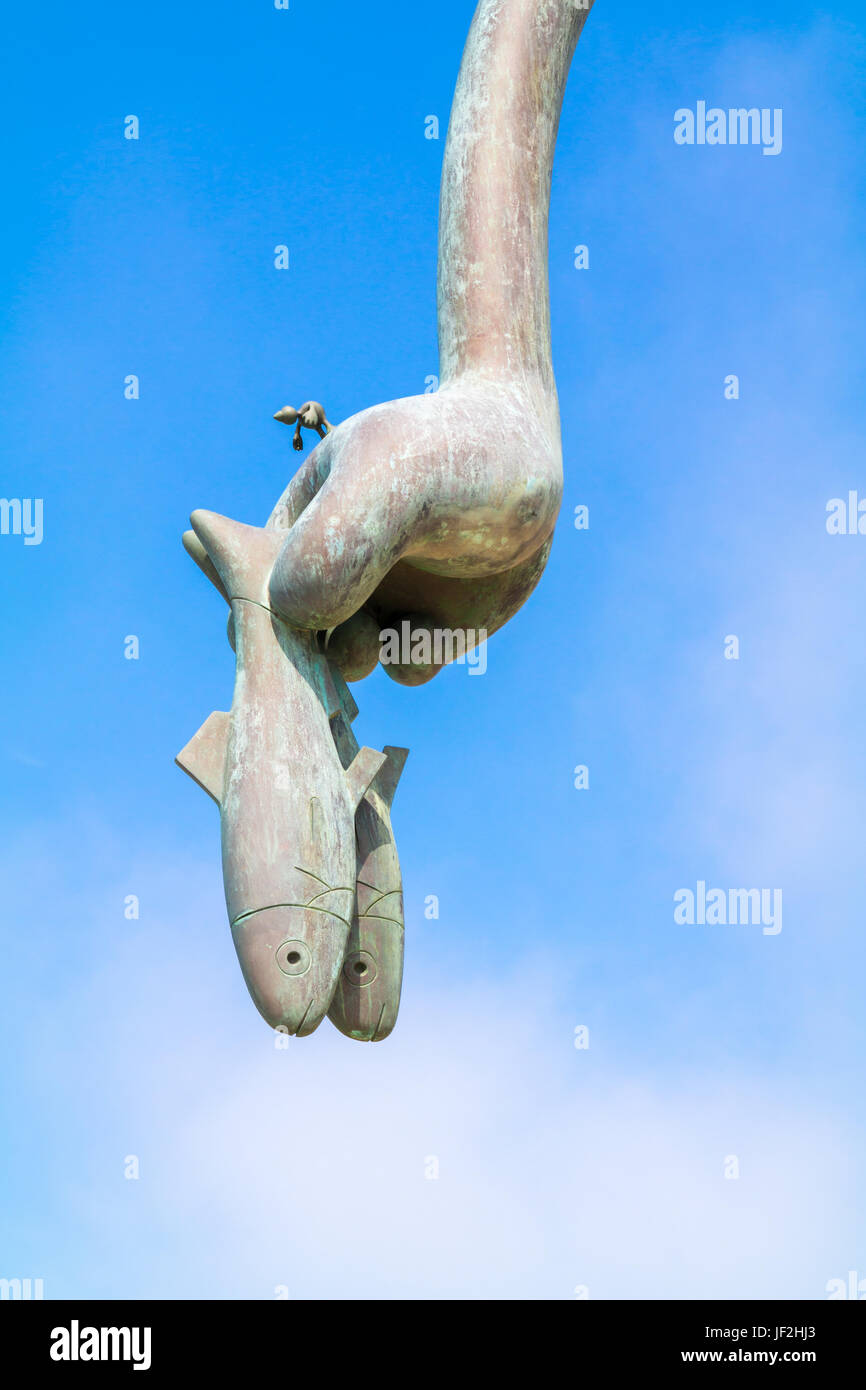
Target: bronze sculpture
(438,509)
(311,416)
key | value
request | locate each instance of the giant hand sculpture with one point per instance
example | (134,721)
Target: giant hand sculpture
(437,508)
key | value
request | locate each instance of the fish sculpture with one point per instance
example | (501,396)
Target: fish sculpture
(438,509)
(288,805)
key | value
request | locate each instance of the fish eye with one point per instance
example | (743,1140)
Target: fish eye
(360,969)
(294,958)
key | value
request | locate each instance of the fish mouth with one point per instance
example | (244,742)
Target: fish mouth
(291,956)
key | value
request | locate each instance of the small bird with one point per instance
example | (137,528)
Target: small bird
(311,416)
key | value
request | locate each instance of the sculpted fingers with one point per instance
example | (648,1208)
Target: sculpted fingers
(342,544)
(302,489)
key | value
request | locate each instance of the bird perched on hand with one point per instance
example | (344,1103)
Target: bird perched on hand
(311,416)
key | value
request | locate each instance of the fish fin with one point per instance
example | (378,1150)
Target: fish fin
(204,757)
(361,772)
(193,547)
(243,556)
(346,698)
(341,710)
(332,702)
(344,740)
(386,781)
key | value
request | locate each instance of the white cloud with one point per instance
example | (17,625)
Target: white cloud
(306,1167)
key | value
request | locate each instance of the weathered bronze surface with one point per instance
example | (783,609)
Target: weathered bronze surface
(437,508)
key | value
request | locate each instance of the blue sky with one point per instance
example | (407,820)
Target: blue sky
(304,1169)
